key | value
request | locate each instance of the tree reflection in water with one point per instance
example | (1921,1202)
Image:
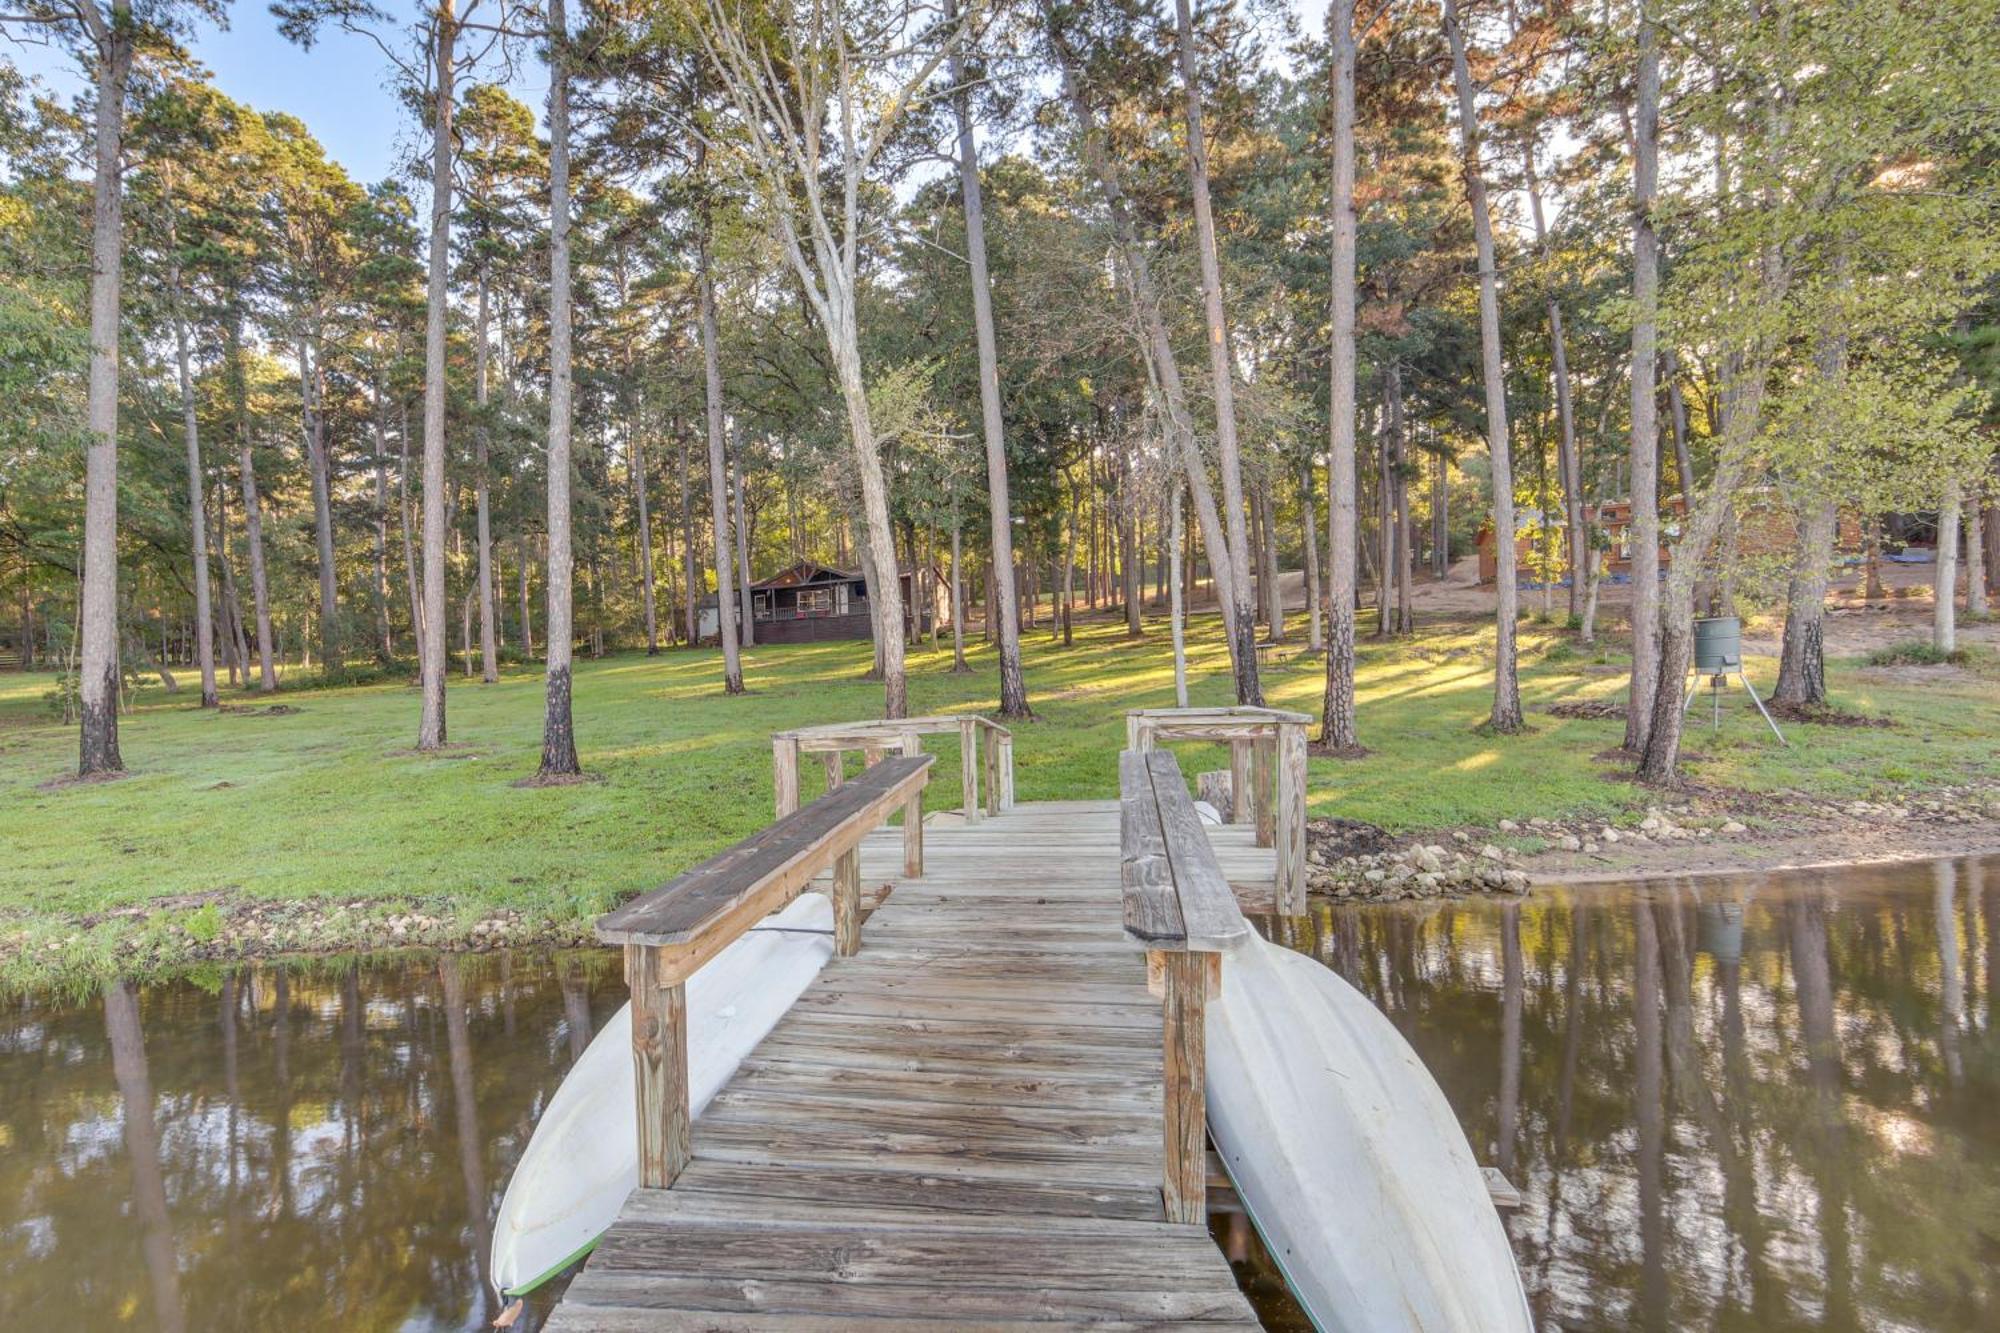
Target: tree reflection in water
(1731,1104)
(1751,1103)
(312,1148)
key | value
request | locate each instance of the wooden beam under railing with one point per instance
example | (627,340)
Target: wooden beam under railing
(833,741)
(1180,908)
(670,933)
(1267,770)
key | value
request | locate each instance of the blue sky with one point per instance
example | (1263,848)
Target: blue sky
(342,88)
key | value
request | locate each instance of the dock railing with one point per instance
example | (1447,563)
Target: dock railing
(1267,764)
(875,738)
(1181,910)
(669,933)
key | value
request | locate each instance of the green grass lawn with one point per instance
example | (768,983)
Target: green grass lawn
(329,803)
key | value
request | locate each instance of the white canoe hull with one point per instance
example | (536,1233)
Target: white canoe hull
(583,1159)
(1349,1159)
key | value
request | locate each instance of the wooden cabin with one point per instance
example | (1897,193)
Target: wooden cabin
(812,603)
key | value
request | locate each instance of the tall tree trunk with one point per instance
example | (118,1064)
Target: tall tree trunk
(558,723)
(1163,365)
(1670,366)
(879,537)
(1067,585)
(410,589)
(313,421)
(1645,524)
(1131,575)
(958,662)
(1002,613)
(746,622)
(431,665)
(1975,559)
(99,675)
(204,614)
(385,635)
(232,603)
(1406,622)
(1506,717)
(718,466)
(1944,608)
(527,620)
(1802,658)
(253,513)
(1990,522)
(1223,372)
(1388,443)
(648,598)
(1274,600)
(1871,559)
(690,569)
(482,447)
(1309,535)
(1739,419)
(1661,758)
(1441,521)
(1569,463)
(1337,721)
(1176,613)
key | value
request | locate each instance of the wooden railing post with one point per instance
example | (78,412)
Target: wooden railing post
(968,767)
(785,773)
(993,775)
(1291,819)
(1242,799)
(1006,748)
(913,817)
(847,903)
(831,760)
(660,1068)
(1263,781)
(1184,1183)
(670,933)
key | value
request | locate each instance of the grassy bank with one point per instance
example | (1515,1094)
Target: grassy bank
(328,805)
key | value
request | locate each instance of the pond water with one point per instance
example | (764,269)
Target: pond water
(1761,1103)
(278,1148)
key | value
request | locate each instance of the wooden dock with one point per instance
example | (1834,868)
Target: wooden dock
(958,1126)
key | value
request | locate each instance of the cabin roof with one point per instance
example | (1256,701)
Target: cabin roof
(808,572)
(803,573)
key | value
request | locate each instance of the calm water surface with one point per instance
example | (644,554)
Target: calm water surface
(1748,1103)
(1764,1103)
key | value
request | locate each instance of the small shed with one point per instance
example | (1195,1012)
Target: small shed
(811,603)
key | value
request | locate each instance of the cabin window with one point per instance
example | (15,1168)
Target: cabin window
(815,601)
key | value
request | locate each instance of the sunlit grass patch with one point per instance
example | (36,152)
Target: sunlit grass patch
(329,802)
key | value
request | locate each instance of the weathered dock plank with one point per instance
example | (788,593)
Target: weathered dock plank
(960,1126)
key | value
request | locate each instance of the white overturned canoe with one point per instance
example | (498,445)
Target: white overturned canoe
(1348,1158)
(584,1156)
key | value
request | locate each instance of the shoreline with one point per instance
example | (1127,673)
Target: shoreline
(1987,844)
(1797,835)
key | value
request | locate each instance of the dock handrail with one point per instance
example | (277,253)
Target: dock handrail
(1180,908)
(670,932)
(1267,760)
(873,738)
